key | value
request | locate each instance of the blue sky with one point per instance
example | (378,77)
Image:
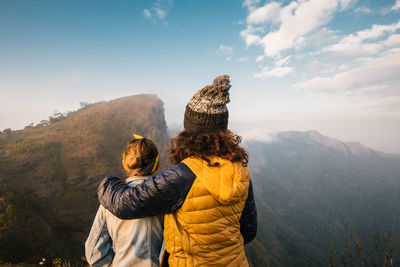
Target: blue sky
(332,65)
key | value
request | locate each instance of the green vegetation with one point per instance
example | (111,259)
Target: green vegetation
(305,186)
(49,174)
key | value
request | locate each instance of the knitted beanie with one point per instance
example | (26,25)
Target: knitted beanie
(206,111)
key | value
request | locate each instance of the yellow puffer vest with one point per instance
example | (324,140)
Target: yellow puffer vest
(205,231)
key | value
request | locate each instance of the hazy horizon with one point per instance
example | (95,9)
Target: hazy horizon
(331,66)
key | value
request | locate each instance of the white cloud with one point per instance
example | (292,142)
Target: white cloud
(360,43)
(243,59)
(380,72)
(161,13)
(268,12)
(252,39)
(275,72)
(250,35)
(260,58)
(396,6)
(147,13)
(225,50)
(239,22)
(159,9)
(250,4)
(321,66)
(285,28)
(322,37)
(295,20)
(343,67)
(363,10)
(378,30)
(282,61)
(344,4)
(393,40)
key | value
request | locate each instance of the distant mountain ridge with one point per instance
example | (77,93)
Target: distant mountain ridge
(305,184)
(314,137)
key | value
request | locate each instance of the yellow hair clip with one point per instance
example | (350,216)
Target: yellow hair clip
(155,164)
(136,136)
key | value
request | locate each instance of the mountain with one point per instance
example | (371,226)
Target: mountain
(309,187)
(49,174)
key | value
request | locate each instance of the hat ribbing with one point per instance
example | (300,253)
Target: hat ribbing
(206,111)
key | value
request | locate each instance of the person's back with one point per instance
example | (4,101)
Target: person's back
(205,231)
(137,242)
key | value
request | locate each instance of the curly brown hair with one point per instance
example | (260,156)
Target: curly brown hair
(223,144)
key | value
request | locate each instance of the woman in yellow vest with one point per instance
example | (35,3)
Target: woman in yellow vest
(207,198)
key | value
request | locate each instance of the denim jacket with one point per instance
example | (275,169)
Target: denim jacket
(116,242)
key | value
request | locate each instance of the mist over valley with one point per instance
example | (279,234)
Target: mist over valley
(308,187)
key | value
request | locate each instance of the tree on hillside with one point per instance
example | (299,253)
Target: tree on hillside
(7,132)
(29,126)
(83,104)
(43,123)
(57,116)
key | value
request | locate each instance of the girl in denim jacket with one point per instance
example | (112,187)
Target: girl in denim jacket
(138,242)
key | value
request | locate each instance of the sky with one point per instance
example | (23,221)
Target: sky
(332,66)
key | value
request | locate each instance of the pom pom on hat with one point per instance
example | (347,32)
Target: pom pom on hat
(206,111)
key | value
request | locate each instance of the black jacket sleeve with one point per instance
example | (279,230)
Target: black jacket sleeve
(161,194)
(248,221)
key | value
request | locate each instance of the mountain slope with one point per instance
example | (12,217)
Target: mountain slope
(49,175)
(307,184)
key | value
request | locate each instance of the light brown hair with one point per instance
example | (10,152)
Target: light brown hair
(138,154)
